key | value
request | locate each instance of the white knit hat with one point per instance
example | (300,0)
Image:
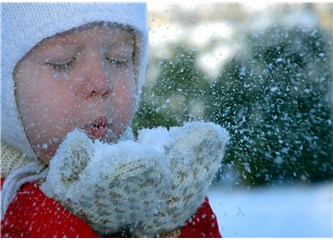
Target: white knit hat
(26,24)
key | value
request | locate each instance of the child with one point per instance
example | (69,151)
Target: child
(71,79)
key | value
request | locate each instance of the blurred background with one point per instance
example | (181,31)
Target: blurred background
(264,72)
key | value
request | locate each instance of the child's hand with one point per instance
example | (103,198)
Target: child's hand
(193,153)
(109,186)
(153,186)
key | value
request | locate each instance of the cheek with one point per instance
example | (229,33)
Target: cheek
(46,110)
(46,102)
(124,98)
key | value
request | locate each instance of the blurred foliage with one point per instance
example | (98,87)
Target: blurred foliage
(273,98)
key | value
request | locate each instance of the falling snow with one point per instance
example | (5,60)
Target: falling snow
(262,72)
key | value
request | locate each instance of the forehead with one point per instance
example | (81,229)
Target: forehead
(93,33)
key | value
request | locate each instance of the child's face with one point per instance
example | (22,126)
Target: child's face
(82,78)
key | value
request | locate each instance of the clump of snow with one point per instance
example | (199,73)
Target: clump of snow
(159,138)
(151,185)
(109,186)
(193,153)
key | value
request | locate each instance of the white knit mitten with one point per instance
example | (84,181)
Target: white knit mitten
(109,186)
(193,153)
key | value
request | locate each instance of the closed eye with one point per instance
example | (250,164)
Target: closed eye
(118,62)
(62,66)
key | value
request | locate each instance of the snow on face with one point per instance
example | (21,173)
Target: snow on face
(82,78)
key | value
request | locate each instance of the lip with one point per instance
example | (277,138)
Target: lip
(99,128)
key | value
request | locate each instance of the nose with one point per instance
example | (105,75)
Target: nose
(98,86)
(96,80)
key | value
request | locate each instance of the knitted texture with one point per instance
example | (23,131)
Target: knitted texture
(11,159)
(18,169)
(194,153)
(172,234)
(24,25)
(111,187)
(151,187)
(34,215)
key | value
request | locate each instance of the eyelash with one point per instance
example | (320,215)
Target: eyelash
(66,66)
(121,63)
(62,67)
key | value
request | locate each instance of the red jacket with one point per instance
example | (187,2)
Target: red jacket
(34,215)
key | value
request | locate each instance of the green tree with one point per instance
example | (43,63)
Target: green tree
(273,98)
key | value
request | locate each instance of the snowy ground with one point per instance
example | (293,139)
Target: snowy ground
(297,211)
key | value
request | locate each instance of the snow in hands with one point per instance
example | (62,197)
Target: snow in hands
(150,186)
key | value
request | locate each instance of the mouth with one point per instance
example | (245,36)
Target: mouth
(99,129)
